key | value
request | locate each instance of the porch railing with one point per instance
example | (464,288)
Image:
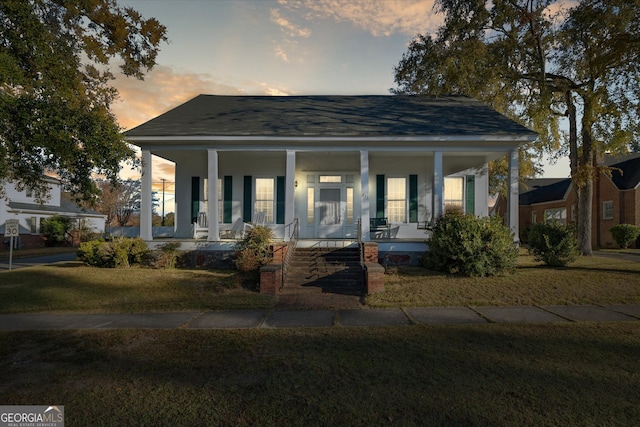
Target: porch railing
(291,248)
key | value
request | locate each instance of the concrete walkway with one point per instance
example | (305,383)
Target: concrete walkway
(244,319)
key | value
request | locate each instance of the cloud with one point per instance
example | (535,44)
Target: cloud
(380,18)
(291,29)
(162,89)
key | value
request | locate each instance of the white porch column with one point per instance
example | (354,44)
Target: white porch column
(514,193)
(481,193)
(365,215)
(438,186)
(289,193)
(212,196)
(146,206)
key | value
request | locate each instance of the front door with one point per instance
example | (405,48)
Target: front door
(329,213)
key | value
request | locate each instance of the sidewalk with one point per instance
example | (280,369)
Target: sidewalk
(245,319)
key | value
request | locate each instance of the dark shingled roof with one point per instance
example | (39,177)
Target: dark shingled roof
(547,193)
(330,116)
(626,175)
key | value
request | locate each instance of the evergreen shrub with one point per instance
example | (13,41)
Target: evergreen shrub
(254,250)
(470,246)
(625,234)
(553,243)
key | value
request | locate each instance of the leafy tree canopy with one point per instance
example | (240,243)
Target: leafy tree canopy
(540,64)
(54,88)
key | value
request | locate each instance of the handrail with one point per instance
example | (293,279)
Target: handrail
(291,248)
(360,244)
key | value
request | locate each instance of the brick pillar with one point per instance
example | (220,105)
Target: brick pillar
(370,252)
(374,277)
(271,279)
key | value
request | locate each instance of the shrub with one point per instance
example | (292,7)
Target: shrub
(121,252)
(55,229)
(470,246)
(169,253)
(625,234)
(254,250)
(553,243)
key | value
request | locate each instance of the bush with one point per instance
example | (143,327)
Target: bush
(470,246)
(254,251)
(169,253)
(625,234)
(55,229)
(553,243)
(120,252)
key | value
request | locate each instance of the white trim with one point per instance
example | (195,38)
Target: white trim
(232,138)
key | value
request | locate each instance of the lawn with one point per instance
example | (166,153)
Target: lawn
(75,287)
(495,375)
(590,280)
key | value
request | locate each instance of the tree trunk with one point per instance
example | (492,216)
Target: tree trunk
(585,172)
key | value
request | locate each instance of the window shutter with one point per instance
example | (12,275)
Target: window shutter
(413,198)
(227,192)
(195,198)
(247,205)
(280,199)
(380,190)
(470,201)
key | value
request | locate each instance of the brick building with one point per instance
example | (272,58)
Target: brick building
(616,200)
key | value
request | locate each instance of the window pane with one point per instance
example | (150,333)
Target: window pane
(220,204)
(265,198)
(349,205)
(607,210)
(330,178)
(558,214)
(454,191)
(310,206)
(397,199)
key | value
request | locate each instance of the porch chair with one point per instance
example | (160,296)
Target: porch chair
(259,218)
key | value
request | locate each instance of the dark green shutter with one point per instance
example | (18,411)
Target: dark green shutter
(413,198)
(380,190)
(280,200)
(195,198)
(227,201)
(247,197)
(471,195)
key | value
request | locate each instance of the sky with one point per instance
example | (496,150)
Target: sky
(273,47)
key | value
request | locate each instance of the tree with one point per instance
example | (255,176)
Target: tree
(118,201)
(55,93)
(579,65)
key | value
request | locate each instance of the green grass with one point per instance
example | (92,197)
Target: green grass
(590,280)
(72,287)
(497,375)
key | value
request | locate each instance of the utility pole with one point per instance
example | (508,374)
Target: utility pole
(163,180)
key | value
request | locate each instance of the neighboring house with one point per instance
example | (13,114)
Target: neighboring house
(616,200)
(22,206)
(389,163)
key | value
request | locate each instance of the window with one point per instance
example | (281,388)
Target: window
(330,178)
(534,217)
(454,191)
(397,199)
(311,219)
(34,225)
(557,214)
(349,205)
(607,209)
(265,198)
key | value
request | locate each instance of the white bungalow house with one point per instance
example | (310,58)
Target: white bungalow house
(329,163)
(21,205)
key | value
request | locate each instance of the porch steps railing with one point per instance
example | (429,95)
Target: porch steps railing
(326,267)
(291,249)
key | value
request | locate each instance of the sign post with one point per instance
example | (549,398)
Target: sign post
(11,230)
